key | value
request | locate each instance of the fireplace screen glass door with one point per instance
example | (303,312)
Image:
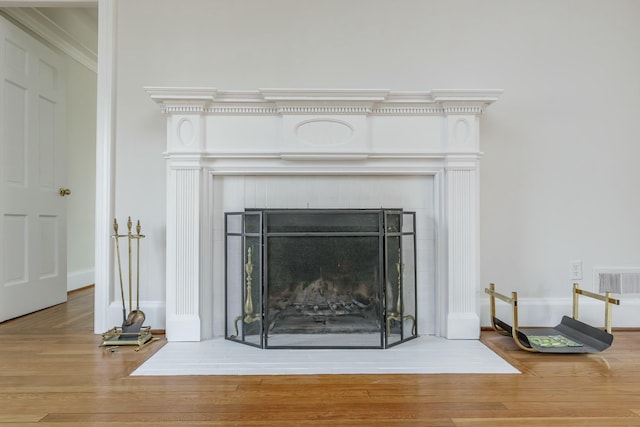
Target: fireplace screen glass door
(320,278)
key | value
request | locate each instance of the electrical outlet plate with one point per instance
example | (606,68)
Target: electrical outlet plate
(575,269)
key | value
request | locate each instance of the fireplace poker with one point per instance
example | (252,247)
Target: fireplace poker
(129,224)
(116,237)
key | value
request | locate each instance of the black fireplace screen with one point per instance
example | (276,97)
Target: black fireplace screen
(320,278)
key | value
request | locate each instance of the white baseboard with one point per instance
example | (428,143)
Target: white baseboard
(79,279)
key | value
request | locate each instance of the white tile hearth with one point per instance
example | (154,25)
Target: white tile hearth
(424,355)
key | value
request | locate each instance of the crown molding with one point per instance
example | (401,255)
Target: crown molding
(40,25)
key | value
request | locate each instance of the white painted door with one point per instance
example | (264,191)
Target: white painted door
(33,262)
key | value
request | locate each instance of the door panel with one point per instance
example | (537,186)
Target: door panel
(33,263)
(46,145)
(15,135)
(48,246)
(15,249)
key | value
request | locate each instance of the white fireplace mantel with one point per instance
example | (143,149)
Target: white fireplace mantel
(318,132)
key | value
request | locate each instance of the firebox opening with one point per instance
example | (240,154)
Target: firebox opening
(321,278)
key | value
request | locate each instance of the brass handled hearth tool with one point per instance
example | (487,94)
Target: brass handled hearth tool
(249,316)
(397,315)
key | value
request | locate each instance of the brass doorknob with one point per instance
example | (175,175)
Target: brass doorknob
(64,191)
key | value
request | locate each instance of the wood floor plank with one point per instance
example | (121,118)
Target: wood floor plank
(548,421)
(434,422)
(21,418)
(53,373)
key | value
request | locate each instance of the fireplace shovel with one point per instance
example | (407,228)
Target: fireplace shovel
(116,238)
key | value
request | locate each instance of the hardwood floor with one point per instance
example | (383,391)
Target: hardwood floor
(52,373)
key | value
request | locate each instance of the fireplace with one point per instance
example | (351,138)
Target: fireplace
(338,278)
(233,151)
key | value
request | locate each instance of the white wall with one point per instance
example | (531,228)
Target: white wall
(81,155)
(558,174)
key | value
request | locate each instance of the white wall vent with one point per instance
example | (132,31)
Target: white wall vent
(617,280)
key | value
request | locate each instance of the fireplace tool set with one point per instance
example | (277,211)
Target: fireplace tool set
(131,332)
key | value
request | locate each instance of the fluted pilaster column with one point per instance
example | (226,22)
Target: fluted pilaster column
(183,254)
(463,321)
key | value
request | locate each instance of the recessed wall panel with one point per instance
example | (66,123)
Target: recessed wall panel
(15,249)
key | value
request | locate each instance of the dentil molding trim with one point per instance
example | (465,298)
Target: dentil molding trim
(321,101)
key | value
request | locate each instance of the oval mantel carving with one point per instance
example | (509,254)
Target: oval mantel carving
(324,132)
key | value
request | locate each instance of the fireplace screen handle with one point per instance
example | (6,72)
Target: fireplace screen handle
(249,315)
(398,314)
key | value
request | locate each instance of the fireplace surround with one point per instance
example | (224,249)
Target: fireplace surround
(324,148)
